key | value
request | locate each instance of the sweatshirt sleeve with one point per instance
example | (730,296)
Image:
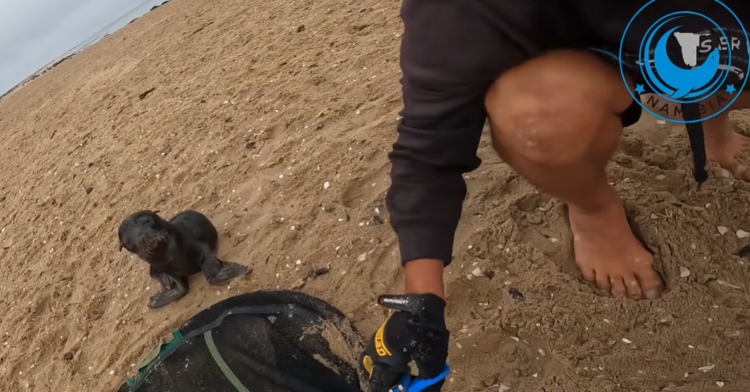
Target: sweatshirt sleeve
(428,161)
(451,52)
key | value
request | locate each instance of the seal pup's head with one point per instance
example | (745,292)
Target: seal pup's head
(144,233)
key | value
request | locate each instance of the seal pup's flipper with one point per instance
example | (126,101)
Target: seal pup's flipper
(175,287)
(220,273)
(227,273)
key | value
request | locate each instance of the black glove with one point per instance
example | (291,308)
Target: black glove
(414,331)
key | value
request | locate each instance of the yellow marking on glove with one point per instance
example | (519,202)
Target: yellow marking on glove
(380,347)
(367,364)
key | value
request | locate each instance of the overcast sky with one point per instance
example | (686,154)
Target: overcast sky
(35,32)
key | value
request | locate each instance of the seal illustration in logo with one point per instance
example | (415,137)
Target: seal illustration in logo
(686,82)
(678,65)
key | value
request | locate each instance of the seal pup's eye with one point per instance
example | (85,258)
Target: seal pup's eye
(156,224)
(149,220)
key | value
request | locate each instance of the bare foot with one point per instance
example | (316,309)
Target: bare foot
(726,147)
(609,255)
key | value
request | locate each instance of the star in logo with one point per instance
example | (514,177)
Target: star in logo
(639,89)
(731,89)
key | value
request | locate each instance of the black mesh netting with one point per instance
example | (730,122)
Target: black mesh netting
(265,341)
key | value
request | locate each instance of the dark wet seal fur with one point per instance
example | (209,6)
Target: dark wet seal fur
(176,249)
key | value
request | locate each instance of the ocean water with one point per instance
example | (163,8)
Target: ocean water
(140,9)
(92,27)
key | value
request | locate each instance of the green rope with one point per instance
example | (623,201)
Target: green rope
(223,365)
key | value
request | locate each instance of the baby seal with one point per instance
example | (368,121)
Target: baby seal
(176,249)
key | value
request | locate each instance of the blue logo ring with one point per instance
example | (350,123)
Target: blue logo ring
(722,77)
(650,78)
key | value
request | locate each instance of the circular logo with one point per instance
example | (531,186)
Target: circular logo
(685,57)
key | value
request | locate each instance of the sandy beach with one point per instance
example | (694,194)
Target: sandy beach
(275,119)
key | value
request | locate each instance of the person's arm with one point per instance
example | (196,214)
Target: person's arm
(448,61)
(427,190)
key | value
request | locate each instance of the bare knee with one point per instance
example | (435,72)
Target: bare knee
(552,109)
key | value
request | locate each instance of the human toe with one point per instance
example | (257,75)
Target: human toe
(602,280)
(633,287)
(651,285)
(618,286)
